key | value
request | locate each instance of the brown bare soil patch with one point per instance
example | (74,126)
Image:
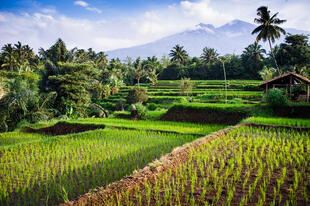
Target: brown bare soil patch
(204,117)
(62,128)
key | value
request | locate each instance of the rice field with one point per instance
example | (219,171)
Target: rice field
(247,166)
(44,170)
(205,91)
(162,126)
(279,121)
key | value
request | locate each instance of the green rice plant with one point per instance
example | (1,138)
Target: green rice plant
(66,166)
(262,168)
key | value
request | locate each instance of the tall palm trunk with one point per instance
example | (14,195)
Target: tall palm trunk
(274,57)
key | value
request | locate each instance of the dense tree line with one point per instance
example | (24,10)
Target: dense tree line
(58,82)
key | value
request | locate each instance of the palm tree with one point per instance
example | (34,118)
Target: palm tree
(178,54)
(138,70)
(9,57)
(254,51)
(209,55)
(268,28)
(101,60)
(152,65)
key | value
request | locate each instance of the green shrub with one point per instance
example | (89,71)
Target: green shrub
(236,101)
(141,110)
(151,106)
(275,98)
(137,95)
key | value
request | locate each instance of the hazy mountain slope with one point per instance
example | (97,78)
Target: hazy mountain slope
(230,38)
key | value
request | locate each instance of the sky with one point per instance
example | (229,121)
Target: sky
(107,25)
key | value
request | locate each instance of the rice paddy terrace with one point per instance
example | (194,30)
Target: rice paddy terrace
(165,92)
(260,161)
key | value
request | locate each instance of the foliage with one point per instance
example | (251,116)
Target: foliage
(209,55)
(294,54)
(236,101)
(137,95)
(22,101)
(252,59)
(267,73)
(275,98)
(96,111)
(178,54)
(141,111)
(19,58)
(151,106)
(71,84)
(186,86)
(268,28)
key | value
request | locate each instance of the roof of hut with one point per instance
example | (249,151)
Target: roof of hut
(285,79)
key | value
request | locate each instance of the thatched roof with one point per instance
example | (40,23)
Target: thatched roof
(285,79)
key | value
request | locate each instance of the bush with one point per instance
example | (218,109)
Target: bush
(141,111)
(236,101)
(151,106)
(137,95)
(275,98)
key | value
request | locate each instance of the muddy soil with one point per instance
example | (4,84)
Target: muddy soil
(62,128)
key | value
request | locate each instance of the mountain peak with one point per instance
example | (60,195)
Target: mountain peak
(202,25)
(206,27)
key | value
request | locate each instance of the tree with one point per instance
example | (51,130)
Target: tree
(9,58)
(294,54)
(268,28)
(137,95)
(267,73)
(101,60)
(152,65)
(138,70)
(178,54)
(71,84)
(186,86)
(115,84)
(251,57)
(57,52)
(209,55)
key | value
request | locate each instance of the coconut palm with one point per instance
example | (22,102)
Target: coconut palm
(101,60)
(178,54)
(254,51)
(209,55)
(138,70)
(268,28)
(152,65)
(9,57)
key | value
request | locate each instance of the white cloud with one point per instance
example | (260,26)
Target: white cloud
(81,3)
(42,28)
(49,10)
(94,9)
(2,18)
(86,6)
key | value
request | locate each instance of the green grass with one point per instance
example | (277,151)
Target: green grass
(247,166)
(280,121)
(60,168)
(179,127)
(10,139)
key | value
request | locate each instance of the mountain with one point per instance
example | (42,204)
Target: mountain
(230,38)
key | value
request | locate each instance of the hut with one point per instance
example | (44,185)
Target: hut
(287,81)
